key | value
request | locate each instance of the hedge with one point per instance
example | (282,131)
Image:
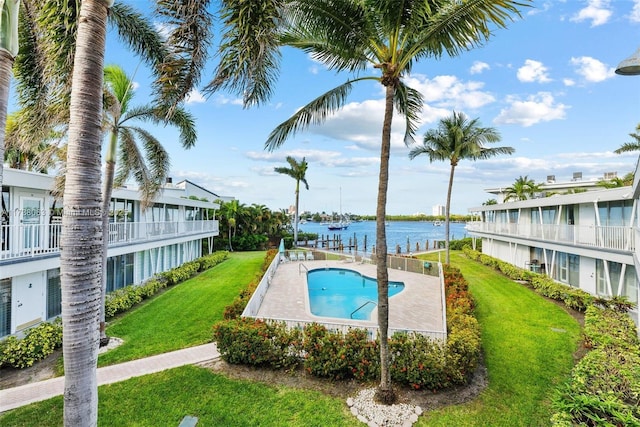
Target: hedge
(39,342)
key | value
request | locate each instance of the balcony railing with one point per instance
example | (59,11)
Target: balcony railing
(606,237)
(29,240)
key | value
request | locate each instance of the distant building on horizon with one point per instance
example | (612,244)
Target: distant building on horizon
(437,210)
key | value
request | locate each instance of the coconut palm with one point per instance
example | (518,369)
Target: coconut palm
(616,181)
(387,36)
(82,231)
(8,52)
(631,146)
(298,171)
(522,189)
(149,166)
(457,138)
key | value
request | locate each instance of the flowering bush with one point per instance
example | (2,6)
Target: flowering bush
(39,342)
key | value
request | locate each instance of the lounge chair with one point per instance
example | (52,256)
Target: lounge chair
(309,256)
(297,256)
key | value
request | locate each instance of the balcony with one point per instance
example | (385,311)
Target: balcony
(30,240)
(605,237)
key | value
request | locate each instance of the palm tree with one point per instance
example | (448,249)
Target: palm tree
(388,36)
(150,173)
(522,189)
(297,171)
(8,52)
(631,146)
(490,202)
(82,233)
(457,138)
(616,181)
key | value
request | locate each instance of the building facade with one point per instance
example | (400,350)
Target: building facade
(142,243)
(586,240)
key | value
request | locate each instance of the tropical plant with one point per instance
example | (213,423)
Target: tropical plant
(522,189)
(73,34)
(298,171)
(633,145)
(490,202)
(149,169)
(616,181)
(388,36)
(458,138)
(8,52)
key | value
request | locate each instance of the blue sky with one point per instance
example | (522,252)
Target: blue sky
(546,83)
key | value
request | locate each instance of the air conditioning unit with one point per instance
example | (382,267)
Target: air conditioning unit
(551,178)
(577,176)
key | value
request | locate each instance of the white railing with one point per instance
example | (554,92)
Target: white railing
(607,237)
(29,240)
(251,310)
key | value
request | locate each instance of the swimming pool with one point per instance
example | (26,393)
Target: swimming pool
(347,294)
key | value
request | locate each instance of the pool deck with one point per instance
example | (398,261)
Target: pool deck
(418,307)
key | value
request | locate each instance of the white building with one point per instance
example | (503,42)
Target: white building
(586,240)
(438,210)
(141,243)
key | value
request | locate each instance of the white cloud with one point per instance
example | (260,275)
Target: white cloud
(449,91)
(568,82)
(533,71)
(541,107)
(323,158)
(195,97)
(591,69)
(634,16)
(597,11)
(478,67)
(225,100)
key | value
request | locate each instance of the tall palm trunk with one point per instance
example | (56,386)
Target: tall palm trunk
(296,218)
(447,212)
(6,64)
(385,393)
(107,189)
(82,235)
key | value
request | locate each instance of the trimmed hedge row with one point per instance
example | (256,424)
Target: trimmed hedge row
(416,361)
(123,299)
(604,388)
(38,343)
(574,298)
(42,340)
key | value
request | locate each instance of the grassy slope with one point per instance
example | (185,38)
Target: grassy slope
(528,344)
(183,315)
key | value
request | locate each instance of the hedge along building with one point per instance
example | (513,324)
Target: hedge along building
(141,243)
(587,240)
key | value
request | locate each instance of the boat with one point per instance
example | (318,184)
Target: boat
(437,223)
(341,224)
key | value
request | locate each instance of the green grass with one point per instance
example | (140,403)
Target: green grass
(163,399)
(528,344)
(183,315)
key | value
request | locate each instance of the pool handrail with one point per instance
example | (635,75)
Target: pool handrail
(300,266)
(357,309)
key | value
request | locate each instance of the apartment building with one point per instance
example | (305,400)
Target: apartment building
(141,242)
(586,240)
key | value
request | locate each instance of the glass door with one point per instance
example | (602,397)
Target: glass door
(31,220)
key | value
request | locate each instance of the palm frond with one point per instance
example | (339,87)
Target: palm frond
(249,56)
(315,112)
(409,102)
(628,147)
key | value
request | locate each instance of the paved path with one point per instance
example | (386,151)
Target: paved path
(23,395)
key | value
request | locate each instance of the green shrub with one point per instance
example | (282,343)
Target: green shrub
(255,342)
(39,342)
(418,362)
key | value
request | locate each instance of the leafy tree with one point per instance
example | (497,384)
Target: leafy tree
(616,181)
(522,189)
(458,138)
(490,202)
(634,145)
(298,171)
(387,36)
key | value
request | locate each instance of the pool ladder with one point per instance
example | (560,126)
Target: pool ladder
(300,267)
(358,309)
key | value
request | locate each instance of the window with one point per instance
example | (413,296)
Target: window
(615,213)
(568,269)
(622,284)
(120,271)
(54,293)
(5,307)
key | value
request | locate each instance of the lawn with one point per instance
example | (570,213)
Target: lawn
(528,344)
(183,315)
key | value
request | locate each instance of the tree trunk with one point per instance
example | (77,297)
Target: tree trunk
(107,189)
(447,213)
(6,64)
(384,393)
(295,218)
(82,234)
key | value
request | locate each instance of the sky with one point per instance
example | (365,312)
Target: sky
(546,83)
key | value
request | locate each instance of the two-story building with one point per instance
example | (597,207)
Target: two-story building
(585,240)
(141,242)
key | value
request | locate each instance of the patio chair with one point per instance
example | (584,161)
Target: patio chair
(310,256)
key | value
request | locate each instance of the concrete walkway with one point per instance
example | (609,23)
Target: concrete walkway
(23,395)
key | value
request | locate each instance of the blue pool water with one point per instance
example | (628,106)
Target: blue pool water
(336,292)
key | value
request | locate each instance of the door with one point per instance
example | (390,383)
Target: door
(31,223)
